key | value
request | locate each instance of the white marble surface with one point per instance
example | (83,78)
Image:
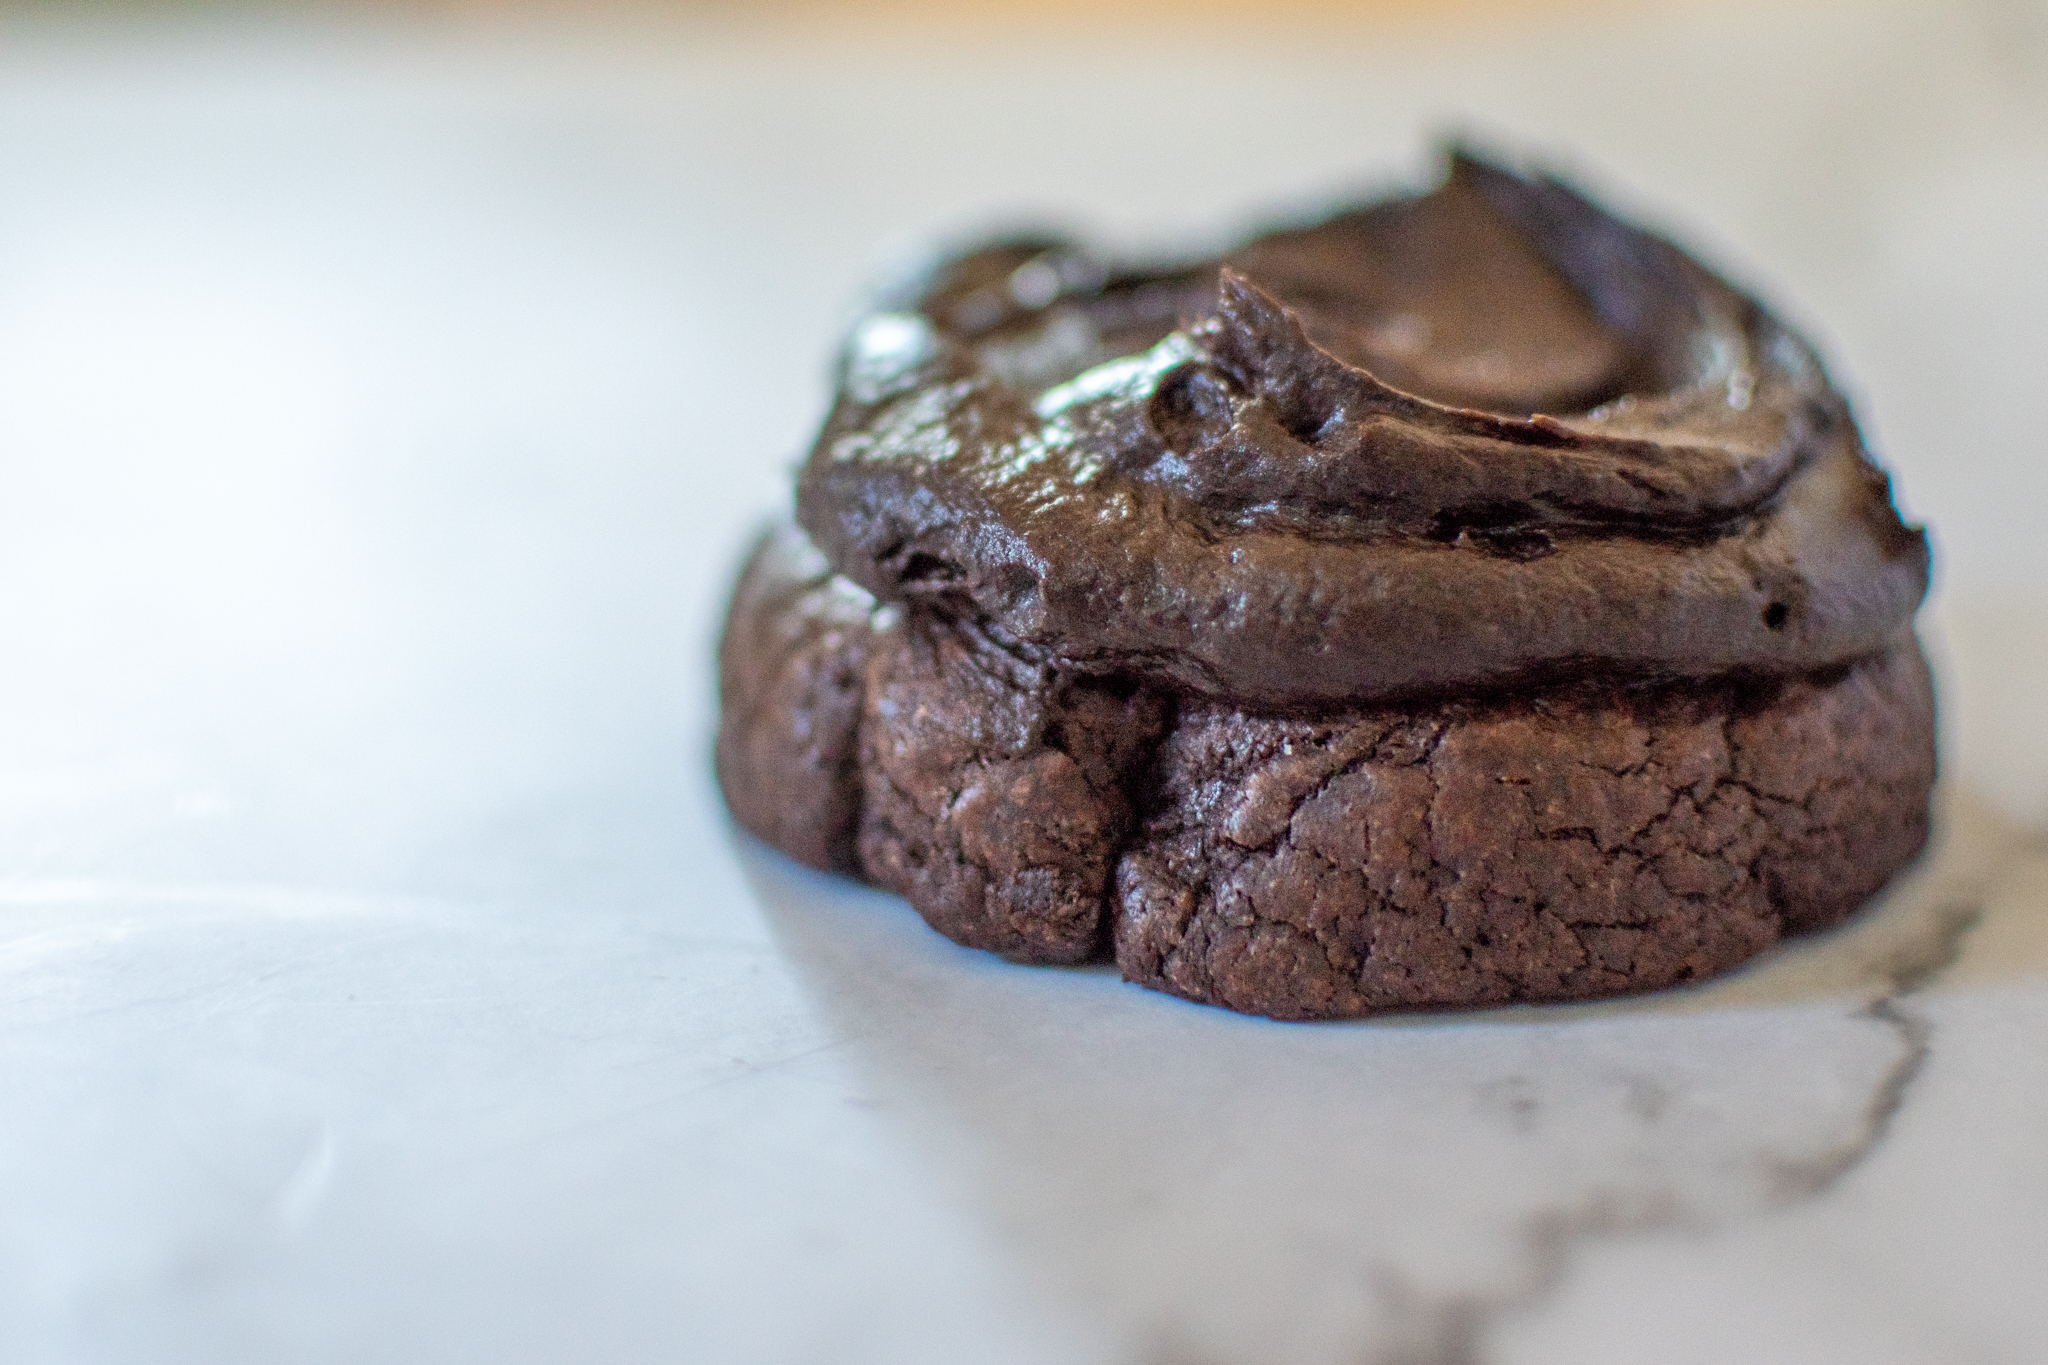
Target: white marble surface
(381,407)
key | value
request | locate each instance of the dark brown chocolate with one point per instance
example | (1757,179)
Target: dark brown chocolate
(1558,848)
(1463,599)
(1578,842)
(791,679)
(995,792)
(1245,510)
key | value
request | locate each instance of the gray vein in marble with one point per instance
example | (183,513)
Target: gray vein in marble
(1454,1330)
(1908,973)
(1212,1190)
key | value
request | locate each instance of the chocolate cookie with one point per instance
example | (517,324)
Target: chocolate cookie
(791,679)
(997,791)
(1552,848)
(1258,620)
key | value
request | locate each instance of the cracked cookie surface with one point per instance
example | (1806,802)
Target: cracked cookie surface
(1556,848)
(994,790)
(1566,845)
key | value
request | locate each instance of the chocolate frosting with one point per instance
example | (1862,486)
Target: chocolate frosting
(1476,438)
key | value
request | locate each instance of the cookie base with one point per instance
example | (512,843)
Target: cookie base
(1566,845)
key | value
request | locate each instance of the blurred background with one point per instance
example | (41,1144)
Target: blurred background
(386,391)
(417,368)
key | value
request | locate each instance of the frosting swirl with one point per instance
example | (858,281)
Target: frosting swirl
(1482,437)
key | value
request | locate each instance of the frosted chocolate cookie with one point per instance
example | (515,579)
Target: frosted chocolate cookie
(1465,598)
